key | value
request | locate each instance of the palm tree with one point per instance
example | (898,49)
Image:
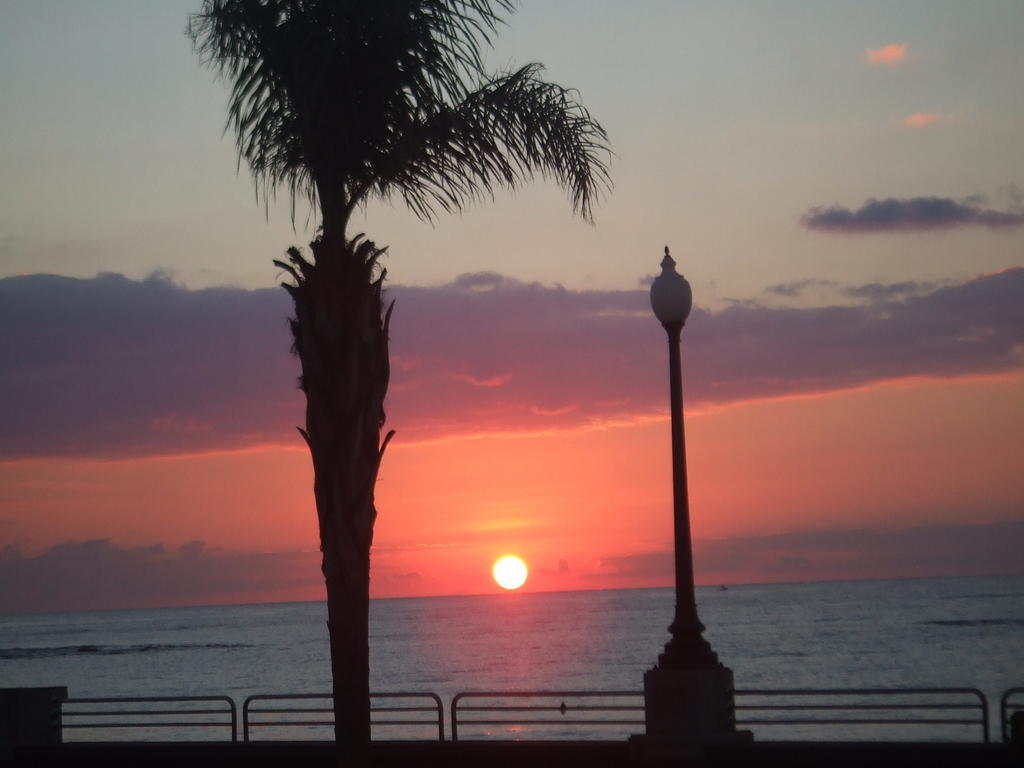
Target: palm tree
(340,102)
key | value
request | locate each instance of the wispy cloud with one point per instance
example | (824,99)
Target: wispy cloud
(853,553)
(98,574)
(921,119)
(909,215)
(794,288)
(881,292)
(113,367)
(492,381)
(103,357)
(101,574)
(891,55)
(870,292)
(658,566)
(859,553)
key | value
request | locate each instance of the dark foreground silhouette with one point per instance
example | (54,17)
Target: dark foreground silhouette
(514,755)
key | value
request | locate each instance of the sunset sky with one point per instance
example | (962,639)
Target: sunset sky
(842,183)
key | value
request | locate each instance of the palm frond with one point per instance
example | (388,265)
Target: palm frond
(315,86)
(510,128)
(340,100)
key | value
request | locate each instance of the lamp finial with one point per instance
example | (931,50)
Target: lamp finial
(668,262)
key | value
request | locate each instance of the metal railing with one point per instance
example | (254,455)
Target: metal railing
(852,710)
(1010,702)
(602,710)
(791,714)
(186,714)
(409,716)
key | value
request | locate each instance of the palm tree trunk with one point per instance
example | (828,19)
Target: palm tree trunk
(340,332)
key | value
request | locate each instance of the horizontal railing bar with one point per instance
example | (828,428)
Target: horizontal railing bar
(121,699)
(253,711)
(595,708)
(162,724)
(552,723)
(552,694)
(766,707)
(403,709)
(95,712)
(295,709)
(286,723)
(845,721)
(851,691)
(293,722)
(328,697)
(432,723)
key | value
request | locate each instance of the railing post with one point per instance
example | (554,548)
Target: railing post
(245,719)
(59,717)
(455,717)
(984,714)
(440,716)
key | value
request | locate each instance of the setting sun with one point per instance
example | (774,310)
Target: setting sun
(510,572)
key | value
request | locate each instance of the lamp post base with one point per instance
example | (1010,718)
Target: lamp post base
(685,711)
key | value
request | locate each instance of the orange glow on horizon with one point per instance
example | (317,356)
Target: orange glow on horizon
(587,509)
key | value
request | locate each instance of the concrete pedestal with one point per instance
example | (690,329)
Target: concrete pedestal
(29,716)
(687,710)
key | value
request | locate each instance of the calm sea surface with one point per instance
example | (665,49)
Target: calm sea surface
(907,633)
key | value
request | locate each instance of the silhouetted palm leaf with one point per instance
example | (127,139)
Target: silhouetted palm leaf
(338,101)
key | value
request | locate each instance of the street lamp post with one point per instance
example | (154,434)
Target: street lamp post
(688,695)
(671,300)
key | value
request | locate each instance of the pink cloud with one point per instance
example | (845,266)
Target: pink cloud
(491,381)
(114,367)
(852,553)
(921,119)
(175,423)
(100,574)
(560,411)
(890,55)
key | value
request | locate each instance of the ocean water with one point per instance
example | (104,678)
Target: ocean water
(902,633)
